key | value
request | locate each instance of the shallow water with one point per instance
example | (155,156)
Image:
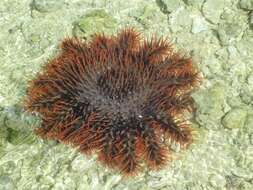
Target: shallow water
(217,33)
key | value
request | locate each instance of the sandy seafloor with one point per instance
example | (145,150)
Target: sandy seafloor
(217,33)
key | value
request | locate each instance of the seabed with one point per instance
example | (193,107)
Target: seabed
(218,34)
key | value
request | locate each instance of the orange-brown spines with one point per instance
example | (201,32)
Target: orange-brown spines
(118,96)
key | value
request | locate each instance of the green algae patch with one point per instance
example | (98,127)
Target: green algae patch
(94,22)
(3,135)
(15,126)
(16,137)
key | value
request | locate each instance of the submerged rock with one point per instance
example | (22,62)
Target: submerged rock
(229,32)
(212,10)
(194,3)
(199,25)
(168,5)
(94,22)
(6,183)
(246,4)
(235,118)
(211,103)
(217,181)
(251,19)
(46,5)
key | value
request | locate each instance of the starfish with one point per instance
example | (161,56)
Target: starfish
(119,97)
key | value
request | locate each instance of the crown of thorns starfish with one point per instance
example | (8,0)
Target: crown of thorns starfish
(118,96)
